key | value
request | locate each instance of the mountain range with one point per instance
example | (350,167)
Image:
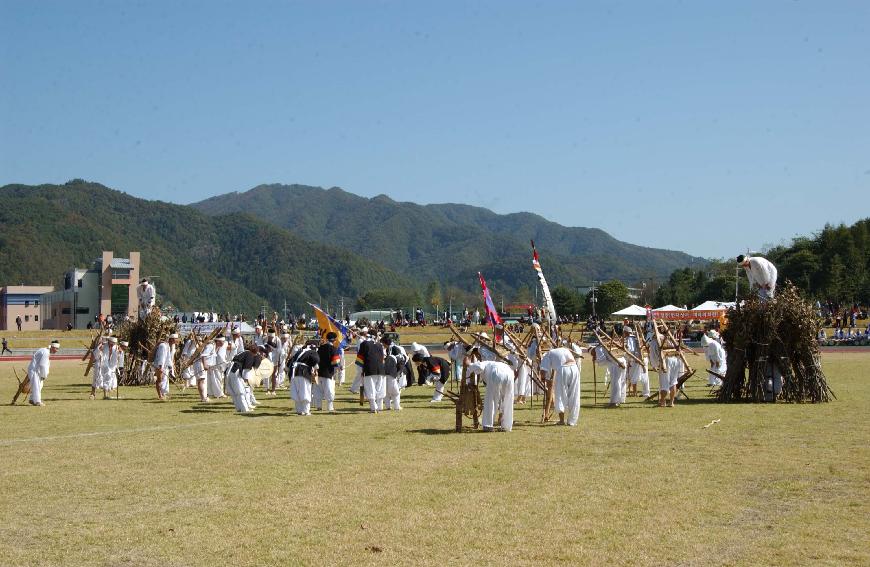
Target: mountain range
(294,243)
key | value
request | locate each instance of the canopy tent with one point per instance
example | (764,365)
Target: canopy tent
(668,307)
(631,311)
(714,306)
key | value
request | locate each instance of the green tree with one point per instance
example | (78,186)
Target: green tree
(566,301)
(609,297)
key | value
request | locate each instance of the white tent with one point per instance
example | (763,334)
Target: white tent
(669,308)
(714,306)
(631,311)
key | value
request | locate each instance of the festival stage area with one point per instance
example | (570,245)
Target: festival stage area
(135,481)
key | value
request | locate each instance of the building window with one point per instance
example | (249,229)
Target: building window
(36,317)
(66,311)
(36,303)
(81,283)
(27,303)
(27,317)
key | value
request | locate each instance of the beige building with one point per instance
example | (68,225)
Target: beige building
(22,301)
(107,287)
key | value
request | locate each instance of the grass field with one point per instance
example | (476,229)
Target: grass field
(139,482)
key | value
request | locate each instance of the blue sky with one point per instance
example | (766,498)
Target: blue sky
(708,127)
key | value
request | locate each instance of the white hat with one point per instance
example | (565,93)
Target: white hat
(285,335)
(55,344)
(258,327)
(220,338)
(173,336)
(483,335)
(237,331)
(124,343)
(113,340)
(364,330)
(271,333)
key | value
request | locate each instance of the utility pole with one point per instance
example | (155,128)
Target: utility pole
(593,298)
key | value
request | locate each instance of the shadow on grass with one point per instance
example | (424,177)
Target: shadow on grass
(431,431)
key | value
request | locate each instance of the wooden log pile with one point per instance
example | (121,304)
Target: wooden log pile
(782,331)
(144,335)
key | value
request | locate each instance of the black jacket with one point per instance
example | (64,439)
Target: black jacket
(373,359)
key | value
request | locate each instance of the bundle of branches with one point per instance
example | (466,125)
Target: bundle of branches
(780,332)
(143,335)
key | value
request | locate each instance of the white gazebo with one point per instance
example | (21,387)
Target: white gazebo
(631,311)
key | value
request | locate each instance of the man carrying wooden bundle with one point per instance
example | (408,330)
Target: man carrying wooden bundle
(604,356)
(216,364)
(562,365)
(761,273)
(669,378)
(164,366)
(187,361)
(637,372)
(715,355)
(37,372)
(499,398)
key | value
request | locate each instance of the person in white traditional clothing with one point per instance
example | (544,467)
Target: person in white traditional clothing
(329,362)
(259,339)
(37,371)
(237,345)
(216,365)
(562,365)
(498,377)
(523,385)
(636,373)
(303,375)
(394,362)
(164,365)
(761,273)
(715,355)
(616,366)
(668,378)
(187,352)
(108,360)
(201,367)
(146,295)
(456,351)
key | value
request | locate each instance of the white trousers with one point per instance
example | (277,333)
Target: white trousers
(499,397)
(718,368)
(35,389)
(524,381)
(300,391)
(637,374)
(326,389)
(164,384)
(566,390)
(439,391)
(673,370)
(236,390)
(394,392)
(376,390)
(617,381)
(215,382)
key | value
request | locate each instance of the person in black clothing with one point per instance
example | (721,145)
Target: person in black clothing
(240,376)
(432,368)
(330,360)
(374,381)
(304,367)
(5,347)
